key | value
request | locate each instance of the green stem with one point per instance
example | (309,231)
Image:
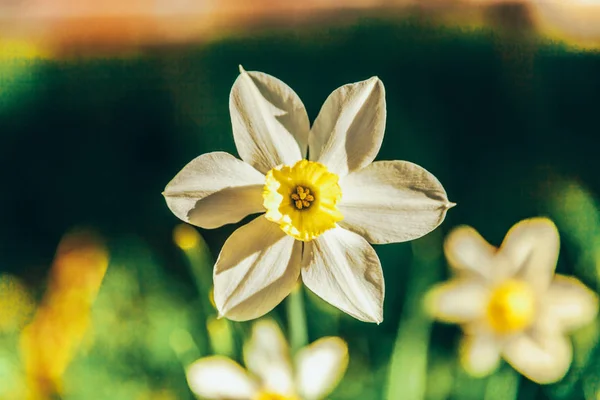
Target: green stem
(407,374)
(185,348)
(200,263)
(503,385)
(296,315)
(219,337)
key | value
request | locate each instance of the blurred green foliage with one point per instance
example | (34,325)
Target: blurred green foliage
(506,121)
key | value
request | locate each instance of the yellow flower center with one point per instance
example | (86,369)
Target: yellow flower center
(511,307)
(266,395)
(302,199)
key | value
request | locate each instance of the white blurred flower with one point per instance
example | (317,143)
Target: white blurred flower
(271,375)
(510,303)
(320,213)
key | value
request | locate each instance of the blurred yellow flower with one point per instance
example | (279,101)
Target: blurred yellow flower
(20,49)
(49,342)
(323,198)
(186,237)
(510,303)
(318,367)
(16,304)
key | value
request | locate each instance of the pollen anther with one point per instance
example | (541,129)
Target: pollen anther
(302,198)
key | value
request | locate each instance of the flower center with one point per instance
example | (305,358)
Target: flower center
(302,199)
(511,307)
(266,395)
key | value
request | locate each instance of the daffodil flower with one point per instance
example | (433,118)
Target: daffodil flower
(510,303)
(323,199)
(318,369)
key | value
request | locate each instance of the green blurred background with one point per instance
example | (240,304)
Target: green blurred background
(505,119)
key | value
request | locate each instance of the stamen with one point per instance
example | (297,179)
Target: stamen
(302,198)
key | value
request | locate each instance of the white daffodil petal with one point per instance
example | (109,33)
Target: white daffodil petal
(348,131)
(270,124)
(570,303)
(392,201)
(532,246)
(344,270)
(220,378)
(320,367)
(215,189)
(541,358)
(479,354)
(267,356)
(257,268)
(467,251)
(457,301)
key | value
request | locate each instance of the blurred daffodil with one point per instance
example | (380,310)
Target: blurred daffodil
(318,369)
(50,341)
(510,303)
(16,304)
(323,198)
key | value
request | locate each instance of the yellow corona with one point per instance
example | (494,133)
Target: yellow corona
(302,199)
(511,307)
(262,395)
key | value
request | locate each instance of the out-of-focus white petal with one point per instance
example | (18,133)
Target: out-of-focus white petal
(343,269)
(467,251)
(215,189)
(270,124)
(267,356)
(569,303)
(348,131)
(541,358)
(457,301)
(220,378)
(480,354)
(532,247)
(320,367)
(257,268)
(392,201)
